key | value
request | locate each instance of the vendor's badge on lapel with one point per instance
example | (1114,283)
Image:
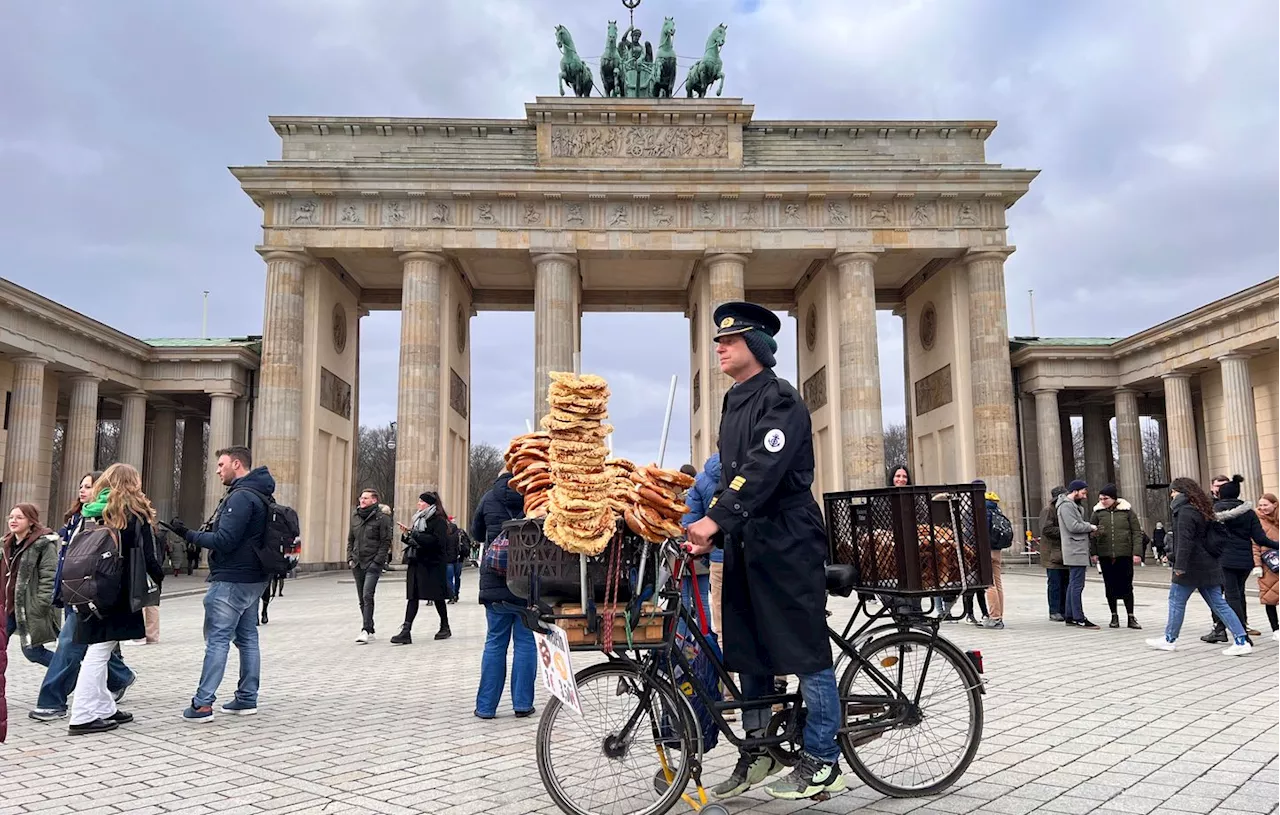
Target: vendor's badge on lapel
(775,440)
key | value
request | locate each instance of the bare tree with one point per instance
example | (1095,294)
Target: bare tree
(107,451)
(1155,473)
(895,448)
(55,468)
(376,460)
(1077,451)
(484,464)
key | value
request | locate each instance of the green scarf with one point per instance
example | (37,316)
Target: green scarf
(95,508)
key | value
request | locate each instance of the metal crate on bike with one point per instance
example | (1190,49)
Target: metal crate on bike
(915,541)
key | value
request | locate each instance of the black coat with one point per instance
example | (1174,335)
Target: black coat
(119,623)
(497,506)
(369,538)
(427,577)
(1238,530)
(774,596)
(1192,564)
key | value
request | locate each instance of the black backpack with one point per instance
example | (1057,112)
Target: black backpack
(1001,529)
(452,543)
(281,537)
(93,570)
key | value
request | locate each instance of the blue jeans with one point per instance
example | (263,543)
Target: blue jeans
(366,588)
(35,653)
(704,590)
(1075,593)
(1057,580)
(1178,596)
(60,679)
(230,612)
(454,574)
(822,701)
(505,625)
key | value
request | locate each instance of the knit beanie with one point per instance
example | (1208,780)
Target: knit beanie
(1110,491)
(1230,491)
(762,346)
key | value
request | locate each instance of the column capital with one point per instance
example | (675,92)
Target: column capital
(1126,390)
(866,255)
(1232,355)
(284,256)
(980,253)
(224,394)
(30,359)
(739,256)
(554,257)
(430,257)
(136,394)
(165,408)
(1053,390)
(1177,375)
(81,377)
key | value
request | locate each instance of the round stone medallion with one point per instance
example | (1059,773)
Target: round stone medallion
(928,326)
(339,328)
(460,329)
(811,327)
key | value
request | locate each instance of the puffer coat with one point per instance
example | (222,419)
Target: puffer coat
(1238,530)
(1269,582)
(36,562)
(1119,534)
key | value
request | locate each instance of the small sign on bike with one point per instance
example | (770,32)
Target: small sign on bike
(557,668)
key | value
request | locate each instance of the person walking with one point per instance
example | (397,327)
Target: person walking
(1265,565)
(1236,532)
(1075,532)
(1000,534)
(1056,573)
(236,582)
(30,552)
(4,661)
(368,550)
(118,504)
(1116,547)
(1157,541)
(453,554)
(425,542)
(1195,568)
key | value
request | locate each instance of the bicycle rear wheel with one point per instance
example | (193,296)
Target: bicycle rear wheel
(937,740)
(589,768)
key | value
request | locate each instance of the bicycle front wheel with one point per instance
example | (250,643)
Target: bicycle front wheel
(634,729)
(933,742)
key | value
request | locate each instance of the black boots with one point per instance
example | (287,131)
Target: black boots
(444,633)
(1216,635)
(403,638)
(1115,621)
(1133,623)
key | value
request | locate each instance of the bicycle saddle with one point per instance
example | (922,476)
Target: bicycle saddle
(841,579)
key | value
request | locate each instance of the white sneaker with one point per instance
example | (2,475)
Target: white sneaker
(364,637)
(1162,644)
(1237,650)
(1275,635)
(372,638)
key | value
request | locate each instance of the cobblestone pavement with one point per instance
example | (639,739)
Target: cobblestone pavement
(1075,722)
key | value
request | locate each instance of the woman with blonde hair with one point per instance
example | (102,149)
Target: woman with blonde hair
(1268,580)
(118,504)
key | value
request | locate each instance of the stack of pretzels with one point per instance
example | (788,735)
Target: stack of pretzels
(579,517)
(655,507)
(526,460)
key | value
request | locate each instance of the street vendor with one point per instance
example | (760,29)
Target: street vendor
(775,549)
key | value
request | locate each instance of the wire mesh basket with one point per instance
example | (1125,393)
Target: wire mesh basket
(540,571)
(917,540)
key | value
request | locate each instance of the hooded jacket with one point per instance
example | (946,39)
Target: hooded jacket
(239,524)
(1238,529)
(699,498)
(497,506)
(35,565)
(1192,563)
(1050,537)
(1119,533)
(1075,531)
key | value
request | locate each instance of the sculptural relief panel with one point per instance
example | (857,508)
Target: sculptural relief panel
(640,141)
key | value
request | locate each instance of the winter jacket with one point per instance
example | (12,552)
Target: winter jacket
(369,539)
(239,523)
(426,577)
(1075,532)
(699,498)
(4,661)
(1237,530)
(493,584)
(119,622)
(35,562)
(1192,564)
(1050,538)
(1119,533)
(497,506)
(1269,582)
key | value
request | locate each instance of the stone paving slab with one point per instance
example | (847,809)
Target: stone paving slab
(1076,722)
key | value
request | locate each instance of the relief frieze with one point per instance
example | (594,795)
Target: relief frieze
(640,141)
(933,391)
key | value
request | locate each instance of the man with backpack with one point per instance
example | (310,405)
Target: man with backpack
(238,539)
(1000,533)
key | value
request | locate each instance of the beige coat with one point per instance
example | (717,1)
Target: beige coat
(1269,583)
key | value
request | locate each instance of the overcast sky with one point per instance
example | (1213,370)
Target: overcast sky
(1154,125)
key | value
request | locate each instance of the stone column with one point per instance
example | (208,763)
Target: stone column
(1184,450)
(418,407)
(726,283)
(1068,450)
(1049,441)
(278,414)
(221,427)
(1133,482)
(555,322)
(861,423)
(191,498)
(907,390)
(22,450)
(1241,422)
(78,446)
(995,433)
(1097,447)
(164,442)
(133,428)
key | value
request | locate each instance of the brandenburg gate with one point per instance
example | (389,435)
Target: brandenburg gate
(631,204)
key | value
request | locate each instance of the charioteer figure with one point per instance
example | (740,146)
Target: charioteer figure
(775,550)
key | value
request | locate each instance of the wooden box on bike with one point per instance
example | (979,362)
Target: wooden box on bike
(917,540)
(647,630)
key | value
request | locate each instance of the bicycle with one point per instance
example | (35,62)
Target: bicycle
(898,684)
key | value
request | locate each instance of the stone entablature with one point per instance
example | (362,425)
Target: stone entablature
(1246,321)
